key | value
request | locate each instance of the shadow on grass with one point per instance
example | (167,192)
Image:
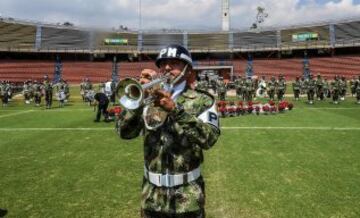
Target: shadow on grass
(3,212)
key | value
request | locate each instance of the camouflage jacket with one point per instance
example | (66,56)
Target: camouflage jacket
(281,85)
(221,86)
(296,85)
(310,85)
(175,147)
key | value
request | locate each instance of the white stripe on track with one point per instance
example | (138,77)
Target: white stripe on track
(16,113)
(224,127)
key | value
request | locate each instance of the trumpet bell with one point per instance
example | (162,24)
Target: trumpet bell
(130,93)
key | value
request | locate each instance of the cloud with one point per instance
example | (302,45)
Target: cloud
(185,14)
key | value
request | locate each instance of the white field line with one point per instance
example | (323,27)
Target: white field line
(56,109)
(332,108)
(16,113)
(224,127)
(292,128)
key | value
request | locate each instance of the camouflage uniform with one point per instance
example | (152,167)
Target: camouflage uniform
(202,85)
(335,90)
(343,87)
(357,90)
(319,88)
(271,88)
(238,86)
(296,88)
(302,86)
(221,89)
(176,147)
(82,89)
(37,93)
(326,89)
(281,88)
(48,90)
(248,92)
(4,93)
(352,84)
(310,87)
(26,92)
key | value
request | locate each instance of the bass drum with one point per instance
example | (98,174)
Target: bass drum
(261,91)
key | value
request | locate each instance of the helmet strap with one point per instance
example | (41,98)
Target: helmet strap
(178,78)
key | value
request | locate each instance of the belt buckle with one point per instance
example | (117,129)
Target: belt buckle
(165,180)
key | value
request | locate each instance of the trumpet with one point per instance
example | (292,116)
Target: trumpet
(131,93)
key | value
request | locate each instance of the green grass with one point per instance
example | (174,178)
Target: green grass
(248,173)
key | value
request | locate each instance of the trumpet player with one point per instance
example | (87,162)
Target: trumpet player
(173,185)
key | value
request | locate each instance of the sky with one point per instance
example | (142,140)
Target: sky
(178,14)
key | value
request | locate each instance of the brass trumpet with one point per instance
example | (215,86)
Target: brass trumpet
(131,93)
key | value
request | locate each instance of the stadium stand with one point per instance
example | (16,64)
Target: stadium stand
(47,40)
(323,41)
(252,40)
(15,36)
(157,41)
(128,44)
(63,38)
(205,42)
(347,34)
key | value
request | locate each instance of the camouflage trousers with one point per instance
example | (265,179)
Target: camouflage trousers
(296,94)
(310,95)
(152,214)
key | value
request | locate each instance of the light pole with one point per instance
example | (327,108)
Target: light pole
(140,16)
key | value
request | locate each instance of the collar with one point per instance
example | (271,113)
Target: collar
(176,90)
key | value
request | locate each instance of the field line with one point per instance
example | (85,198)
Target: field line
(16,113)
(333,108)
(291,127)
(57,129)
(224,128)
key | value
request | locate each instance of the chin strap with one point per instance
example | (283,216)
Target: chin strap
(177,79)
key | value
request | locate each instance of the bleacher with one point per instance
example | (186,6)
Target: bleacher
(347,34)
(100,46)
(205,42)
(15,36)
(322,42)
(63,38)
(74,72)
(156,41)
(256,41)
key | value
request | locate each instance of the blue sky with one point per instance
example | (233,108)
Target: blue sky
(182,14)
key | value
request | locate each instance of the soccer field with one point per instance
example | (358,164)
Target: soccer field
(301,163)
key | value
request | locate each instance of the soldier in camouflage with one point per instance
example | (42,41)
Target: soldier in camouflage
(271,88)
(4,88)
(343,88)
(281,87)
(172,184)
(202,84)
(319,88)
(357,89)
(310,88)
(238,84)
(352,84)
(248,92)
(335,89)
(48,90)
(326,89)
(221,89)
(37,93)
(296,88)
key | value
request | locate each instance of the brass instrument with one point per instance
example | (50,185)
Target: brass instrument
(131,93)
